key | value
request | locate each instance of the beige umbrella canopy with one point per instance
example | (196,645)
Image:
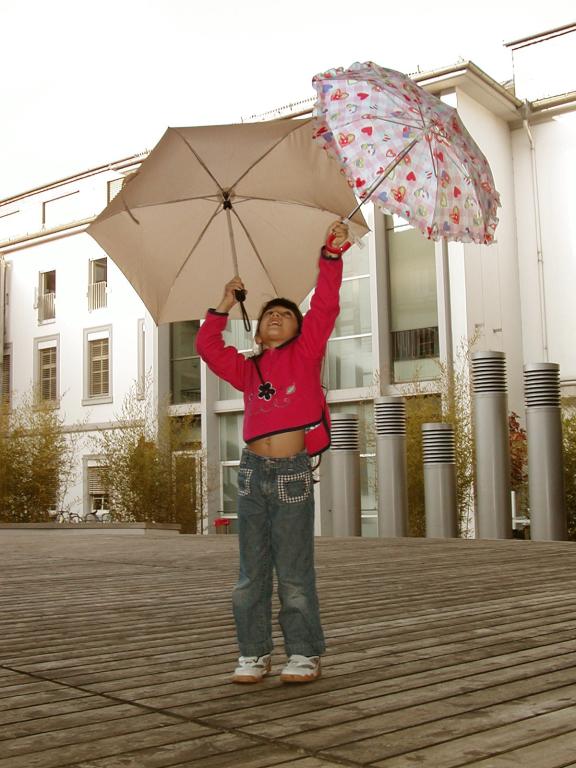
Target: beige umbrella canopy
(210,202)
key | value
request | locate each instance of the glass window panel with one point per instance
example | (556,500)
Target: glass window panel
(368,483)
(227,391)
(186,380)
(235,335)
(229,489)
(356,260)
(185,362)
(231,442)
(184,338)
(412,280)
(354,317)
(186,432)
(349,363)
(416,370)
(99,270)
(369,526)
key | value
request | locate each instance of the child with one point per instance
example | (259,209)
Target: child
(285,422)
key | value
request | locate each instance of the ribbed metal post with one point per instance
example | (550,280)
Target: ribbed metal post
(545,460)
(490,406)
(390,421)
(345,476)
(439,481)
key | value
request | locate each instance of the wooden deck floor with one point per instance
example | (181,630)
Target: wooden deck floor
(115,652)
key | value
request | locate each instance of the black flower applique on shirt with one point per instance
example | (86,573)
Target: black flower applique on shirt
(266,391)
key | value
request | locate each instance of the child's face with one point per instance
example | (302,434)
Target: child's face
(277,325)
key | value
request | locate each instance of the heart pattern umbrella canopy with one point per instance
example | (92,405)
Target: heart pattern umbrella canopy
(407,151)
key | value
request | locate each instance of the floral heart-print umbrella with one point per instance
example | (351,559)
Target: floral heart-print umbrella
(406,150)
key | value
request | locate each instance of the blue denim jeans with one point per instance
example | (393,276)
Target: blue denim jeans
(276,532)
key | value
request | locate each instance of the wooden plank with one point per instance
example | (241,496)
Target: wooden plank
(433,645)
(482,749)
(219,751)
(461,729)
(135,735)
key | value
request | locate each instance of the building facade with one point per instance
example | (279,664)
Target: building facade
(76,333)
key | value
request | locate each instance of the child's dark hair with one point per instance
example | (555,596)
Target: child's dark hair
(280,302)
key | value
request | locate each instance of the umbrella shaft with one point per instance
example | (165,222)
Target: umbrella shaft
(232,243)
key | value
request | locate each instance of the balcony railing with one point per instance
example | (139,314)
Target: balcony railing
(416,343)
(96,295)
(46,306)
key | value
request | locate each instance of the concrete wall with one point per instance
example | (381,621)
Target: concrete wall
(546,228)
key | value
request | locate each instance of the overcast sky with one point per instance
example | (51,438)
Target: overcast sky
(86,83)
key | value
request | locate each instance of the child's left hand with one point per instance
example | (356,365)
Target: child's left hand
(337,238)
(340,232)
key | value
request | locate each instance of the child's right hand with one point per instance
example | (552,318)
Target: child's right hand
(229,299)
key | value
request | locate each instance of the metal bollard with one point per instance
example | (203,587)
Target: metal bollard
(345,476)
(493,497)
(439,481)
(390,420)
(545,458)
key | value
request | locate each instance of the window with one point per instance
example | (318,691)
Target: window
(97,366)
(349,355)
(235,335)
(413,302)
(141,372)
(184,362)
(61,209)
(9,223)
(47,296)
(99,503)
(46,378)
(231,444)
(97,283)
(367,443)
(113,187)
(6,374)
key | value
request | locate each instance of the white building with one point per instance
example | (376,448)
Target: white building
(75,327)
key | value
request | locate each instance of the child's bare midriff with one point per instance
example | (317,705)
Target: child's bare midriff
(279,446)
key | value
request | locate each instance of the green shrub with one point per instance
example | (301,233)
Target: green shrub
(142,477)
(36,462)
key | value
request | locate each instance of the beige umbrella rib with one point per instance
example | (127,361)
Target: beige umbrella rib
(197,156)
(268,151)
(198,240)
(254,247)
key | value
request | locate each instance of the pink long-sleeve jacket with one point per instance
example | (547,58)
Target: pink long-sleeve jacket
(282,386)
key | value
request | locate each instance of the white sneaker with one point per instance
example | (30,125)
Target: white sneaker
(301,669)
(252,669)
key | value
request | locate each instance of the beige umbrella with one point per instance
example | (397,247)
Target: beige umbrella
(210,202)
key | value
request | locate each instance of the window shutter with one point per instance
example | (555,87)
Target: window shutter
(6,380)
(48,373)
(95,484)
(99,368)
(114,187)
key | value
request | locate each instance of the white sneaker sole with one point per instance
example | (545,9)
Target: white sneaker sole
(288,678)
(248,678)
(251,679)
